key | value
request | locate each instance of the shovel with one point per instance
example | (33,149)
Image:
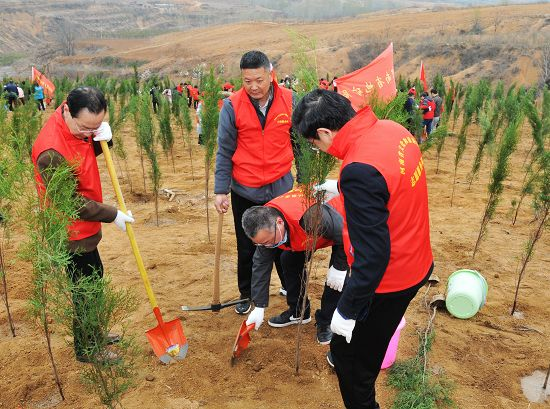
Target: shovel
(242,341)
(216,306)
(167,338)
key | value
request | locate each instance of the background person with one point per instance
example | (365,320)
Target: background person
(38,93)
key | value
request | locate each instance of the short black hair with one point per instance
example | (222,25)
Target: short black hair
(86,97)
(255,59)
(321,109)
(257,218)
(433,91)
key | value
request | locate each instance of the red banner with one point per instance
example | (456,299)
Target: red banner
(423,76)
(38,77)
(376,79)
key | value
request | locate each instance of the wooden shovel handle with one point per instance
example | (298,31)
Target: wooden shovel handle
(216,278)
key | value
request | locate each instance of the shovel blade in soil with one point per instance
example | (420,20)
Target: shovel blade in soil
(242,340)
(168,341)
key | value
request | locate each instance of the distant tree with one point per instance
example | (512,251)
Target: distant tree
(66,34)
(545,65)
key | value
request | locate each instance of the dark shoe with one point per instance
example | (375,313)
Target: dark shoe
(285,319)
(324,334)
(112,338)
(243,308)
(329,359)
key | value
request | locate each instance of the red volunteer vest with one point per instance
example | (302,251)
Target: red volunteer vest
(292,206)
(262,155)
(56,135)
(392,150)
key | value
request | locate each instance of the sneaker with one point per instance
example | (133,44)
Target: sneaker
(243,308)
(324,334)
(282,291)
(112,338)
(285,319)
(329,359)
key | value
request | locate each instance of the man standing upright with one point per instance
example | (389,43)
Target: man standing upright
(386,233)
(71,135)
(438,101)
(254,155)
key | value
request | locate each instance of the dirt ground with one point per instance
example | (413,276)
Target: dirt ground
(485,356)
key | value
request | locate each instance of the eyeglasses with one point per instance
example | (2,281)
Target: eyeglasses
(274,243)
(85,131)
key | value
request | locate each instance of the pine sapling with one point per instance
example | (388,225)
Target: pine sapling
(47,248)
(499,174)
(166,136)
(210,117)
(540,125)
(186,126)
(146,141)
(542,208)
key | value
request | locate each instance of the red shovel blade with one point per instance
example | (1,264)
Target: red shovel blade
(242,340)
(168,341)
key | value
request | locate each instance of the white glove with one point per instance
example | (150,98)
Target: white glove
(330,187)
(122,218)
(341,326)
(256,317)
(103,133)
(336,278)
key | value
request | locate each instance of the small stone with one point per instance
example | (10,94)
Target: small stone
(257,367)
(150,378)
(497,275)
(521,356)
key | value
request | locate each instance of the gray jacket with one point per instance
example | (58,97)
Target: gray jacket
(227,144)
(332,224)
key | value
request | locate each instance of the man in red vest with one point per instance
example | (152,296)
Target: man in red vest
(386,233)
(254,155)
(282,223)
(71,135)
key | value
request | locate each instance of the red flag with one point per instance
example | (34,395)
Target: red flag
(38,77)
(375,79)
(423,76)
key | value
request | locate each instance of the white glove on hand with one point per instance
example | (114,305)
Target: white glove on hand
(122,218)
(336,278)
(341,326)
(103,133)
(330,187)
(256,317)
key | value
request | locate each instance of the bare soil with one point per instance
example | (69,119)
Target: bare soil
(485,356)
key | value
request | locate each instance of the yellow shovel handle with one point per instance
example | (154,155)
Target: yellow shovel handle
(129,229)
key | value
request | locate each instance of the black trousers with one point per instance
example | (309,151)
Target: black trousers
(246,248)
(357,364)
(293,266)
(83,265)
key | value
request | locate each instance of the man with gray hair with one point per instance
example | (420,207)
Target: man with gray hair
(287,223)
(254,155)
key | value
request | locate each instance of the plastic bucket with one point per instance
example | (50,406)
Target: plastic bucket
(391,352)
(466,293)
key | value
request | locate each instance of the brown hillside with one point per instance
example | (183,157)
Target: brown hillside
(506,48)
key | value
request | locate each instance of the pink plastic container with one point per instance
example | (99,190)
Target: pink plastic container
(391,352)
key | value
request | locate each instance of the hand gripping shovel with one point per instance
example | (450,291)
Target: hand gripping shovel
(242,341)
(167,338)
(216,306)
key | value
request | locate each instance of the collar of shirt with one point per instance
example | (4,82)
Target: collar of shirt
(263,109)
